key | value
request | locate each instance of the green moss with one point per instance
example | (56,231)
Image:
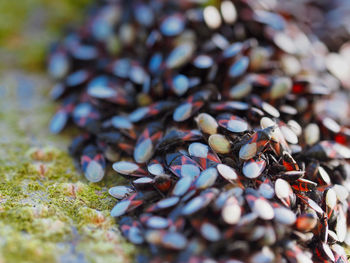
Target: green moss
(23,248)
(46,206)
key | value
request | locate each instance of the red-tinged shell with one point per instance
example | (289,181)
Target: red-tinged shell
(156,167)
(128,168)
(323,177)
(84,113)
(229,106)
(311,170)
(182,165)
(146,142)
(131,229)
(256,144)
(105,88)
(116,141)
(191,106)
(203,155)
(232,123)
(310,203)
(124,125)
(93,164)
(306,222)
(343,137)
(126,147)
(339,254)
(163,182)
(253,168)
(304,185)
(177,137)
(284,192)
(330,198)
(289,163)
(324,253)
(291,176)
(120,191)
(150,111)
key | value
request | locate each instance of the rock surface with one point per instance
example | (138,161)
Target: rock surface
(48,211)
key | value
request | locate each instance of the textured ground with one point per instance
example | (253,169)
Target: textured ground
(48,211)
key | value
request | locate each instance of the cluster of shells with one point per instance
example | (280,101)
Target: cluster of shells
(229,122)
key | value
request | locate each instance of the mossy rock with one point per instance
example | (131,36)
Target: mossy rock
(48,211)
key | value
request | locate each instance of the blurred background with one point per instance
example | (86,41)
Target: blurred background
(27,27)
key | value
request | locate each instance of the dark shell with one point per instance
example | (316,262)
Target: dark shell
(176,137)
(145,144)
(150,111)
(191,106)
(232,123)
(257,143)
(84,113)
(203,155)
(128,168)
(93,164)
(120,192)
(253,168)
(182,165)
